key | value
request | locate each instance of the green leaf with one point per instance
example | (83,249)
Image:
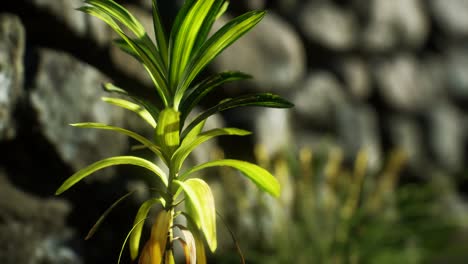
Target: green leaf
(188,146)
(147,143)
(222,39)
(105,214)
(195,94)
(185,39)
(199,245)
(260,99)
(119,160)
(167,131)
(138,109)
(208,23)
(261,177)
(138,224)
(127,237)
(160,34)
(123,46)
(201,207)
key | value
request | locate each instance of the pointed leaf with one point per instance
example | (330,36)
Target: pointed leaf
(138,225)
(138,109)
(194,95)
(126,238)
(159,33)
(222,39)
(186,148)
(105,214)
(147,143)
(208,23)
(200,204)
(261,177)
(260,99)
(119,160)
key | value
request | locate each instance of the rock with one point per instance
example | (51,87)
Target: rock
(328,25)
(405,84)
(79,23)
(457,72)
(273,130)
(357,78)
(447,136)
(317,99)
(451,16)
(66,91)
(12,43)
(358,130)
(394,23)
(32,229)
(407,135)
(272,52)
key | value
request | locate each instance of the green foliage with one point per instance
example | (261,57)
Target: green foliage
(174,62)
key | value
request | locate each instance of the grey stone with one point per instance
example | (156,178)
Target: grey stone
(67,91)
(406,135)
(447,136)
(357,130)
(12,42)
(272,52)
(451,16)
(329,25)
(357,78)
(457,72)
(273,130)
(32,229)
(405,84)
(318,98)
(396,22)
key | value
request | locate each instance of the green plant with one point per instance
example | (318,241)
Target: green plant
(174,62)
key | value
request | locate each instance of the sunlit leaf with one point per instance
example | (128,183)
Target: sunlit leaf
(190,248)
(208,23)
(186,148)
(104,215)
(153,252)
(126,239)
(159,33)
(119,160)
(167,130)
(201,207)
(146,142)
(260,99)
(142,213)
(198,92)
(261,177)
(138,109)
(198,240)
(222,39)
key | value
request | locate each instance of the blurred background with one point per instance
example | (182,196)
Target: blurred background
(372,159)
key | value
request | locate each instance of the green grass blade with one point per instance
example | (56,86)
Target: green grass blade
(105,214)
(198,92)
(222,39)
(261,177)
(119,160)
(146,142)
(138,224)
(260,99)
(138,109)
(188,146)
(160,34)
(185,39)
(201,205)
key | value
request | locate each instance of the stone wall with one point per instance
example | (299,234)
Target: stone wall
(373,74)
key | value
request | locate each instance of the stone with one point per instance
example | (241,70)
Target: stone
(405,84)
(358,130)
(357,78)
(451,16)
(395,23)
(273,130)
(317,99)
(272,53)
(66,91)
(329,25)
(457,72)
(33,229)
(12,44)
(447,136)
